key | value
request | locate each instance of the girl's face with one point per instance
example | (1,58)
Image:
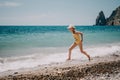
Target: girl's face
(71,29)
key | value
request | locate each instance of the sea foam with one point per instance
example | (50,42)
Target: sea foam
(36,59)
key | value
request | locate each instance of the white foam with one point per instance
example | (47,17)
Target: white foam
(40,59)
(102,51)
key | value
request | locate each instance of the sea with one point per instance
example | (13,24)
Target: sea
(31,46)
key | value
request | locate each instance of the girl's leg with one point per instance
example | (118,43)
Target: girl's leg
(82,51)
(70,50)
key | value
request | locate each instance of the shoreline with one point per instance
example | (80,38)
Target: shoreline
(69,70)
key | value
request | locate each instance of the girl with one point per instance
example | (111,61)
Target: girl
(78,36)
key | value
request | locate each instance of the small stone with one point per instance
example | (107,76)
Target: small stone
(58,72)
(15,72)
(9,75)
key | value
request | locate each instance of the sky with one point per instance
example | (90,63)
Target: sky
(54,12)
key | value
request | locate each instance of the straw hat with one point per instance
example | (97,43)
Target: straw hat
(71,26)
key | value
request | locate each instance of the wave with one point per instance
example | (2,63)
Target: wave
(37,59)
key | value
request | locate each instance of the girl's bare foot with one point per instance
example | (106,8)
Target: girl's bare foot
(89,58)
(68,59)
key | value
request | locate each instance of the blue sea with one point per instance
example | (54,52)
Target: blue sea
(31,46)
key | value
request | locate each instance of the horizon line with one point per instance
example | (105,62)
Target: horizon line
(42,25)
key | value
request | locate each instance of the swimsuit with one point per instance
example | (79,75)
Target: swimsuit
(77,38)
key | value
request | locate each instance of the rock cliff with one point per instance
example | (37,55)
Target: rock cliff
(101,19)
(114,18)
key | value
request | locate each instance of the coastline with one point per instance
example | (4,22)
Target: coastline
(105,66)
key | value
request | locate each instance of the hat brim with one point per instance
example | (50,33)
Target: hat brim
(70,27)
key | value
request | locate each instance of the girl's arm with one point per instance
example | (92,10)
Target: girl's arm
(81,35)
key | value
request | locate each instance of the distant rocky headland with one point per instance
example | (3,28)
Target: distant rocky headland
(113,19)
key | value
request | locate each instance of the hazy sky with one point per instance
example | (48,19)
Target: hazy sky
(54,12)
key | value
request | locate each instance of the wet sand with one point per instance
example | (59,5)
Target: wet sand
(100,68)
